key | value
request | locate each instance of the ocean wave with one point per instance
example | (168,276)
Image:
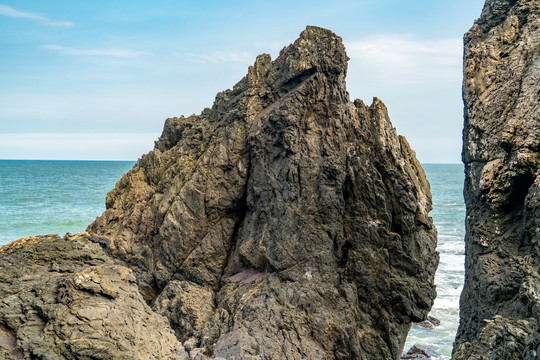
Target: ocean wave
(449,204)
(453,237)
(446,303)
(451,248)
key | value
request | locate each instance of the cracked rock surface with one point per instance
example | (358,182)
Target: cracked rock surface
(499,310)
(66,299)
(285,222)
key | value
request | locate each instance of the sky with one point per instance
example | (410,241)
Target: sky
(95,80)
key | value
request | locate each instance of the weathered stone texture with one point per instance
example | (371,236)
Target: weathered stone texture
(285,222)
(501,90)
(66,299)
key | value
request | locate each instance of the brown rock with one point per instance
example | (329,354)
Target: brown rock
(65,299)
(285,222)
(499,309)
(421,353)
(429,323)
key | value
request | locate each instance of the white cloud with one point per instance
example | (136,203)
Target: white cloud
(218,56)
(11,12)
(406,60)
(436,149)
(76,146)
(122,53)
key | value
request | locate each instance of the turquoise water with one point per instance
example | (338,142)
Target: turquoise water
(48,197)
(449,216)
(44,197)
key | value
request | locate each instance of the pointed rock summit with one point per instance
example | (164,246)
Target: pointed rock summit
(285,222)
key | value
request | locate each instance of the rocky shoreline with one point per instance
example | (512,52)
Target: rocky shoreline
(288,222)
(285,222)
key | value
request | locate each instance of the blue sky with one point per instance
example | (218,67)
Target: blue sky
(96,79)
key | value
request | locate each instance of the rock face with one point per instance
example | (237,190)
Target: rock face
(501,90)
(66,299)
(285,222)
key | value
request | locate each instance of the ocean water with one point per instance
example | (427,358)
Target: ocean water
(449,217)
(53,197)
(44,197)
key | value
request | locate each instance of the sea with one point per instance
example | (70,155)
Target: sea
(40,197)
(55,197)
(449,217)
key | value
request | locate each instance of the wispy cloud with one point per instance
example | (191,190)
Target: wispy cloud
(408,60)
(218,56)
(11,12)
(121,53)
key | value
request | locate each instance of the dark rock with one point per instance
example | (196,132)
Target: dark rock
(285,222)
(415,357)
(66,299)
(420,352)
(499,309)
(429,323)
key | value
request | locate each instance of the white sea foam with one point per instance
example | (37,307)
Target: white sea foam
(452,248)
(452,262)
(447,302)
(452,236)
(448,204)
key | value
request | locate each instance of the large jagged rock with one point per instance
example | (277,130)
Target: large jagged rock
(283,223)
(499,313)
(66,299)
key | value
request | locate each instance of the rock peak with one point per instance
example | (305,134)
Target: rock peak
(322,36)
(283,203)
(285,222)
(318,48)
(317,31)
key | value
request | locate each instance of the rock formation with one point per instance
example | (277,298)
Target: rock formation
(499,313)
(285,222)
(66,299)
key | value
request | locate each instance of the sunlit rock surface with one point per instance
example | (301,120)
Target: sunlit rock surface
(499,309)
(285,222)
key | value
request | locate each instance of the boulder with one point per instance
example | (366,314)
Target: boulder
(64,298)
(429,323)
(418,352)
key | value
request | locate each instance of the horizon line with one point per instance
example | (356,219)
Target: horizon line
(103,160)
